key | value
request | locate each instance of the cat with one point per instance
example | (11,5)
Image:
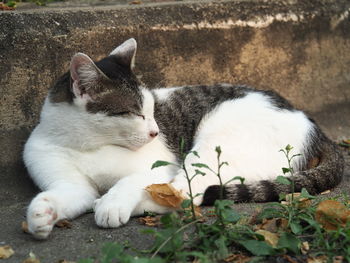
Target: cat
(100,131)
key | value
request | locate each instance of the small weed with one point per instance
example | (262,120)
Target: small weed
(230,235)
(14,3)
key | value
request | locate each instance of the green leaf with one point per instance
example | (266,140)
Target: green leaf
(290,242)
(223,163)
(186,203)
(12,4)
(218,150)
(111,251)
(200,165)
(222,247)
(199,172)
(305,194)
(159,164)
(270,212)
(296,227)
(195,153)
(283,180)
(258,248)
(147,260)
(241,179)
(288,148)
(230,215)
(286,170)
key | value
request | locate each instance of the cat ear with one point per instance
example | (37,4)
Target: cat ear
(84,73)
(126,52)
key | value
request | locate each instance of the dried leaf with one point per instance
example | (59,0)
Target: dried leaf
(313,163)
(319,259)
(345,143)
(150,220)
(289,259)
(165,195)
(338,259)
(65,261)
(325,192)
(270,238)
(136,2)
(64,223)
(32,259)
(237,258)
(331,214)
(25,227)
(305,247)
(302,202)
(6,252)
(273,225)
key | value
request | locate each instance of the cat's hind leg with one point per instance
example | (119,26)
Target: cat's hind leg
(61,201)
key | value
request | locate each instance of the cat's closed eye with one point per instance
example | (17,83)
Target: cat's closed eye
(126,114)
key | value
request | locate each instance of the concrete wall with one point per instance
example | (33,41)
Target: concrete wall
(298,48)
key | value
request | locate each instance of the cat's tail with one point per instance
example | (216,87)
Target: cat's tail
(326,175)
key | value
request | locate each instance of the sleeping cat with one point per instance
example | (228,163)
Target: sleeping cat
(100,132)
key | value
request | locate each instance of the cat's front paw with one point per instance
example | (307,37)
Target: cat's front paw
(112,213)
(41,217)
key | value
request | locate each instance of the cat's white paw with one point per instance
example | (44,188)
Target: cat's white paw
(41,217)
(112,213)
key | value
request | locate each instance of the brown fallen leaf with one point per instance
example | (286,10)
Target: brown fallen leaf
(32,259)
(237,258)
(319,259)
(338,259)
(64,223)
(313,163)
(197,212)
(289,259)
(301,201)
(273,225)
(270,238)
(150,220)
(24,227)
(165,195)
(325,192)
(305,247)
(65,261)
(331,214)
(6,252)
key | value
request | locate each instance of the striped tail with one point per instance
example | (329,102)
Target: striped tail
(326,175)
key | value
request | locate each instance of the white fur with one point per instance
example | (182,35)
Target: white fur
(250,133)
(163,94)
(74,164)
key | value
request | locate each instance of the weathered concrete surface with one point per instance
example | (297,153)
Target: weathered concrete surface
(299,48)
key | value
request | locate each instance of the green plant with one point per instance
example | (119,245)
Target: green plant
(229,233)
(14,3)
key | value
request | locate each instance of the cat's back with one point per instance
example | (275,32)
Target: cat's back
(181,111)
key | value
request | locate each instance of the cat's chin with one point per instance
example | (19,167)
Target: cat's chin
(133,148)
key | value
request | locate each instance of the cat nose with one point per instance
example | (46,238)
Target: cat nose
(153,134)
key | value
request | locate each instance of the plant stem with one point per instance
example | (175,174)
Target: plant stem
(190,189)
(172,235)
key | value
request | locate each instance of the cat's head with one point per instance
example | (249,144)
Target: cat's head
(118,110)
